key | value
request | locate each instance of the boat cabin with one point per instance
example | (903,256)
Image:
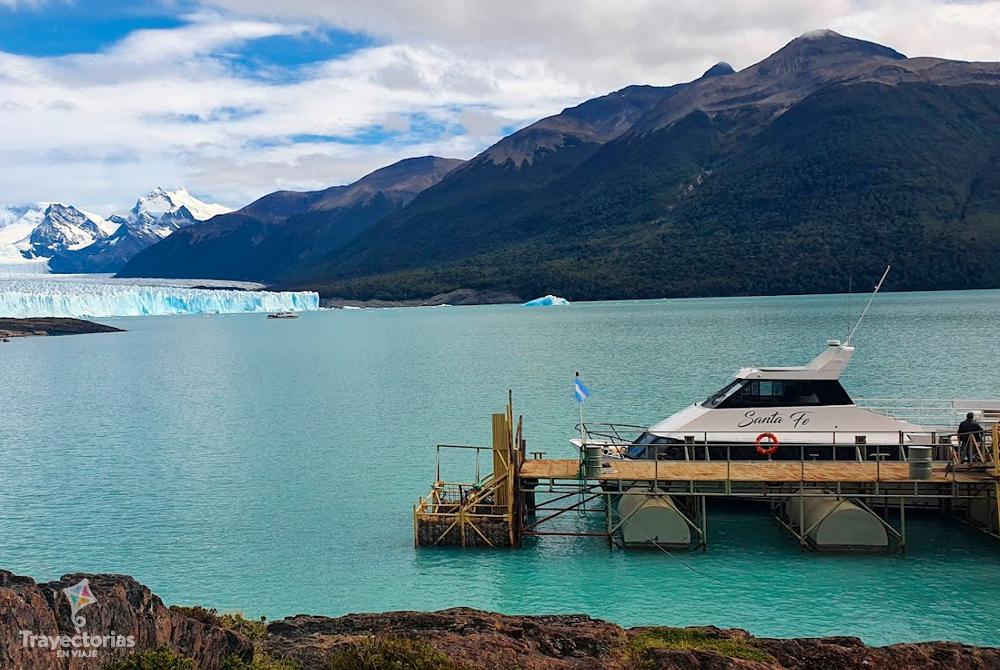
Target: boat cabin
(797,405)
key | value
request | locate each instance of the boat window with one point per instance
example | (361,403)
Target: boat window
(787,393)
(831,392)
(716,398)
(638,448)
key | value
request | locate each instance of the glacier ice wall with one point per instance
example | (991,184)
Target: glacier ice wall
(27,297)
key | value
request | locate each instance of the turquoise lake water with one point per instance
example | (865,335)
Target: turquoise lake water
(271,466)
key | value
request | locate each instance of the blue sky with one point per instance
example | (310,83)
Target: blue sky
(88,26)
(61,28)
(101,101)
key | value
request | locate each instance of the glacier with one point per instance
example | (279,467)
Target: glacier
(86,296)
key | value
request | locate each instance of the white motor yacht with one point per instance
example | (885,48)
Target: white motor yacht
(782,413)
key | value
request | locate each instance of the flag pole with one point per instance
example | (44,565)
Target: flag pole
(581,397)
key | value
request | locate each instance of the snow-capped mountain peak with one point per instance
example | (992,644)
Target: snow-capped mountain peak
(65,228)
(160,212)
(62,238)
(160,201)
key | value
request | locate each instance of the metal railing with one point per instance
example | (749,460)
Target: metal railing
(823,446)
(934,411)
(469,513)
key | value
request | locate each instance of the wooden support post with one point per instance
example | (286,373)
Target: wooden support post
(607,519)
(802,518)
(704,523)
(996,499)
(974,445)
(996,449)
(996,475)
(501,464)
(902,525)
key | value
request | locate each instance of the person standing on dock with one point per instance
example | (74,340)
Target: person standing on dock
(969,433)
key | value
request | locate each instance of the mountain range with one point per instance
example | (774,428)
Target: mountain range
(61,238)
(266,239)
(829,158)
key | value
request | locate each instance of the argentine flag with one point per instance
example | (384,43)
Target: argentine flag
(580,390)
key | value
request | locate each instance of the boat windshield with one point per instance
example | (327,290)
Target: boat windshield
(743,393)
(645,442)
(716,398)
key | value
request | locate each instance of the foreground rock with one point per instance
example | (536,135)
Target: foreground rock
(475,639)
(480,639)
(124,607)
(455,639)
(51,326)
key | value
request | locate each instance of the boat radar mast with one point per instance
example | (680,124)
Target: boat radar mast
(878,287)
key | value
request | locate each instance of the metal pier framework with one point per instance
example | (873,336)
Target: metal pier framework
(526,495)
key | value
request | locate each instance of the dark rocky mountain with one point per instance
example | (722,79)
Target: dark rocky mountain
(464,212)
(286,230)
(832,156)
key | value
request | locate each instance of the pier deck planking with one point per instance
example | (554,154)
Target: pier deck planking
(750,471)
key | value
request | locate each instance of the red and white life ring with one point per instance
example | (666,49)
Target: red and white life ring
(767,451)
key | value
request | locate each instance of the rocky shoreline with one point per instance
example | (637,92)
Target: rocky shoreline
(454,639)
(10,327)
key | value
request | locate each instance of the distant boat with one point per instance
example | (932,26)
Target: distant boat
(283,315)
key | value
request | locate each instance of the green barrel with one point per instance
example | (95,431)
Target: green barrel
(593,456)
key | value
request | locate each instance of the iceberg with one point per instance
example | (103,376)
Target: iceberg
(546,301)
(25,296)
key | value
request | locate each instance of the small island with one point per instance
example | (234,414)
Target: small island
(10,327)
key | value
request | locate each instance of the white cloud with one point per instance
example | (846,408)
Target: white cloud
(608,44)
(18,4)
(958,30)
(304,166)
(161,107)
(165,106)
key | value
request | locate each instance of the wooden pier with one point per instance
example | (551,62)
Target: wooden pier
(735,474)
(526,495)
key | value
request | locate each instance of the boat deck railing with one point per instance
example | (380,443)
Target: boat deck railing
(934,412)
(811,445)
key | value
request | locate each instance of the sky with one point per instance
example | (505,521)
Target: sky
(102,100)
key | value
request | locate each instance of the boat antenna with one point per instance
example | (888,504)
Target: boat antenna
(850,294)
(878,287)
